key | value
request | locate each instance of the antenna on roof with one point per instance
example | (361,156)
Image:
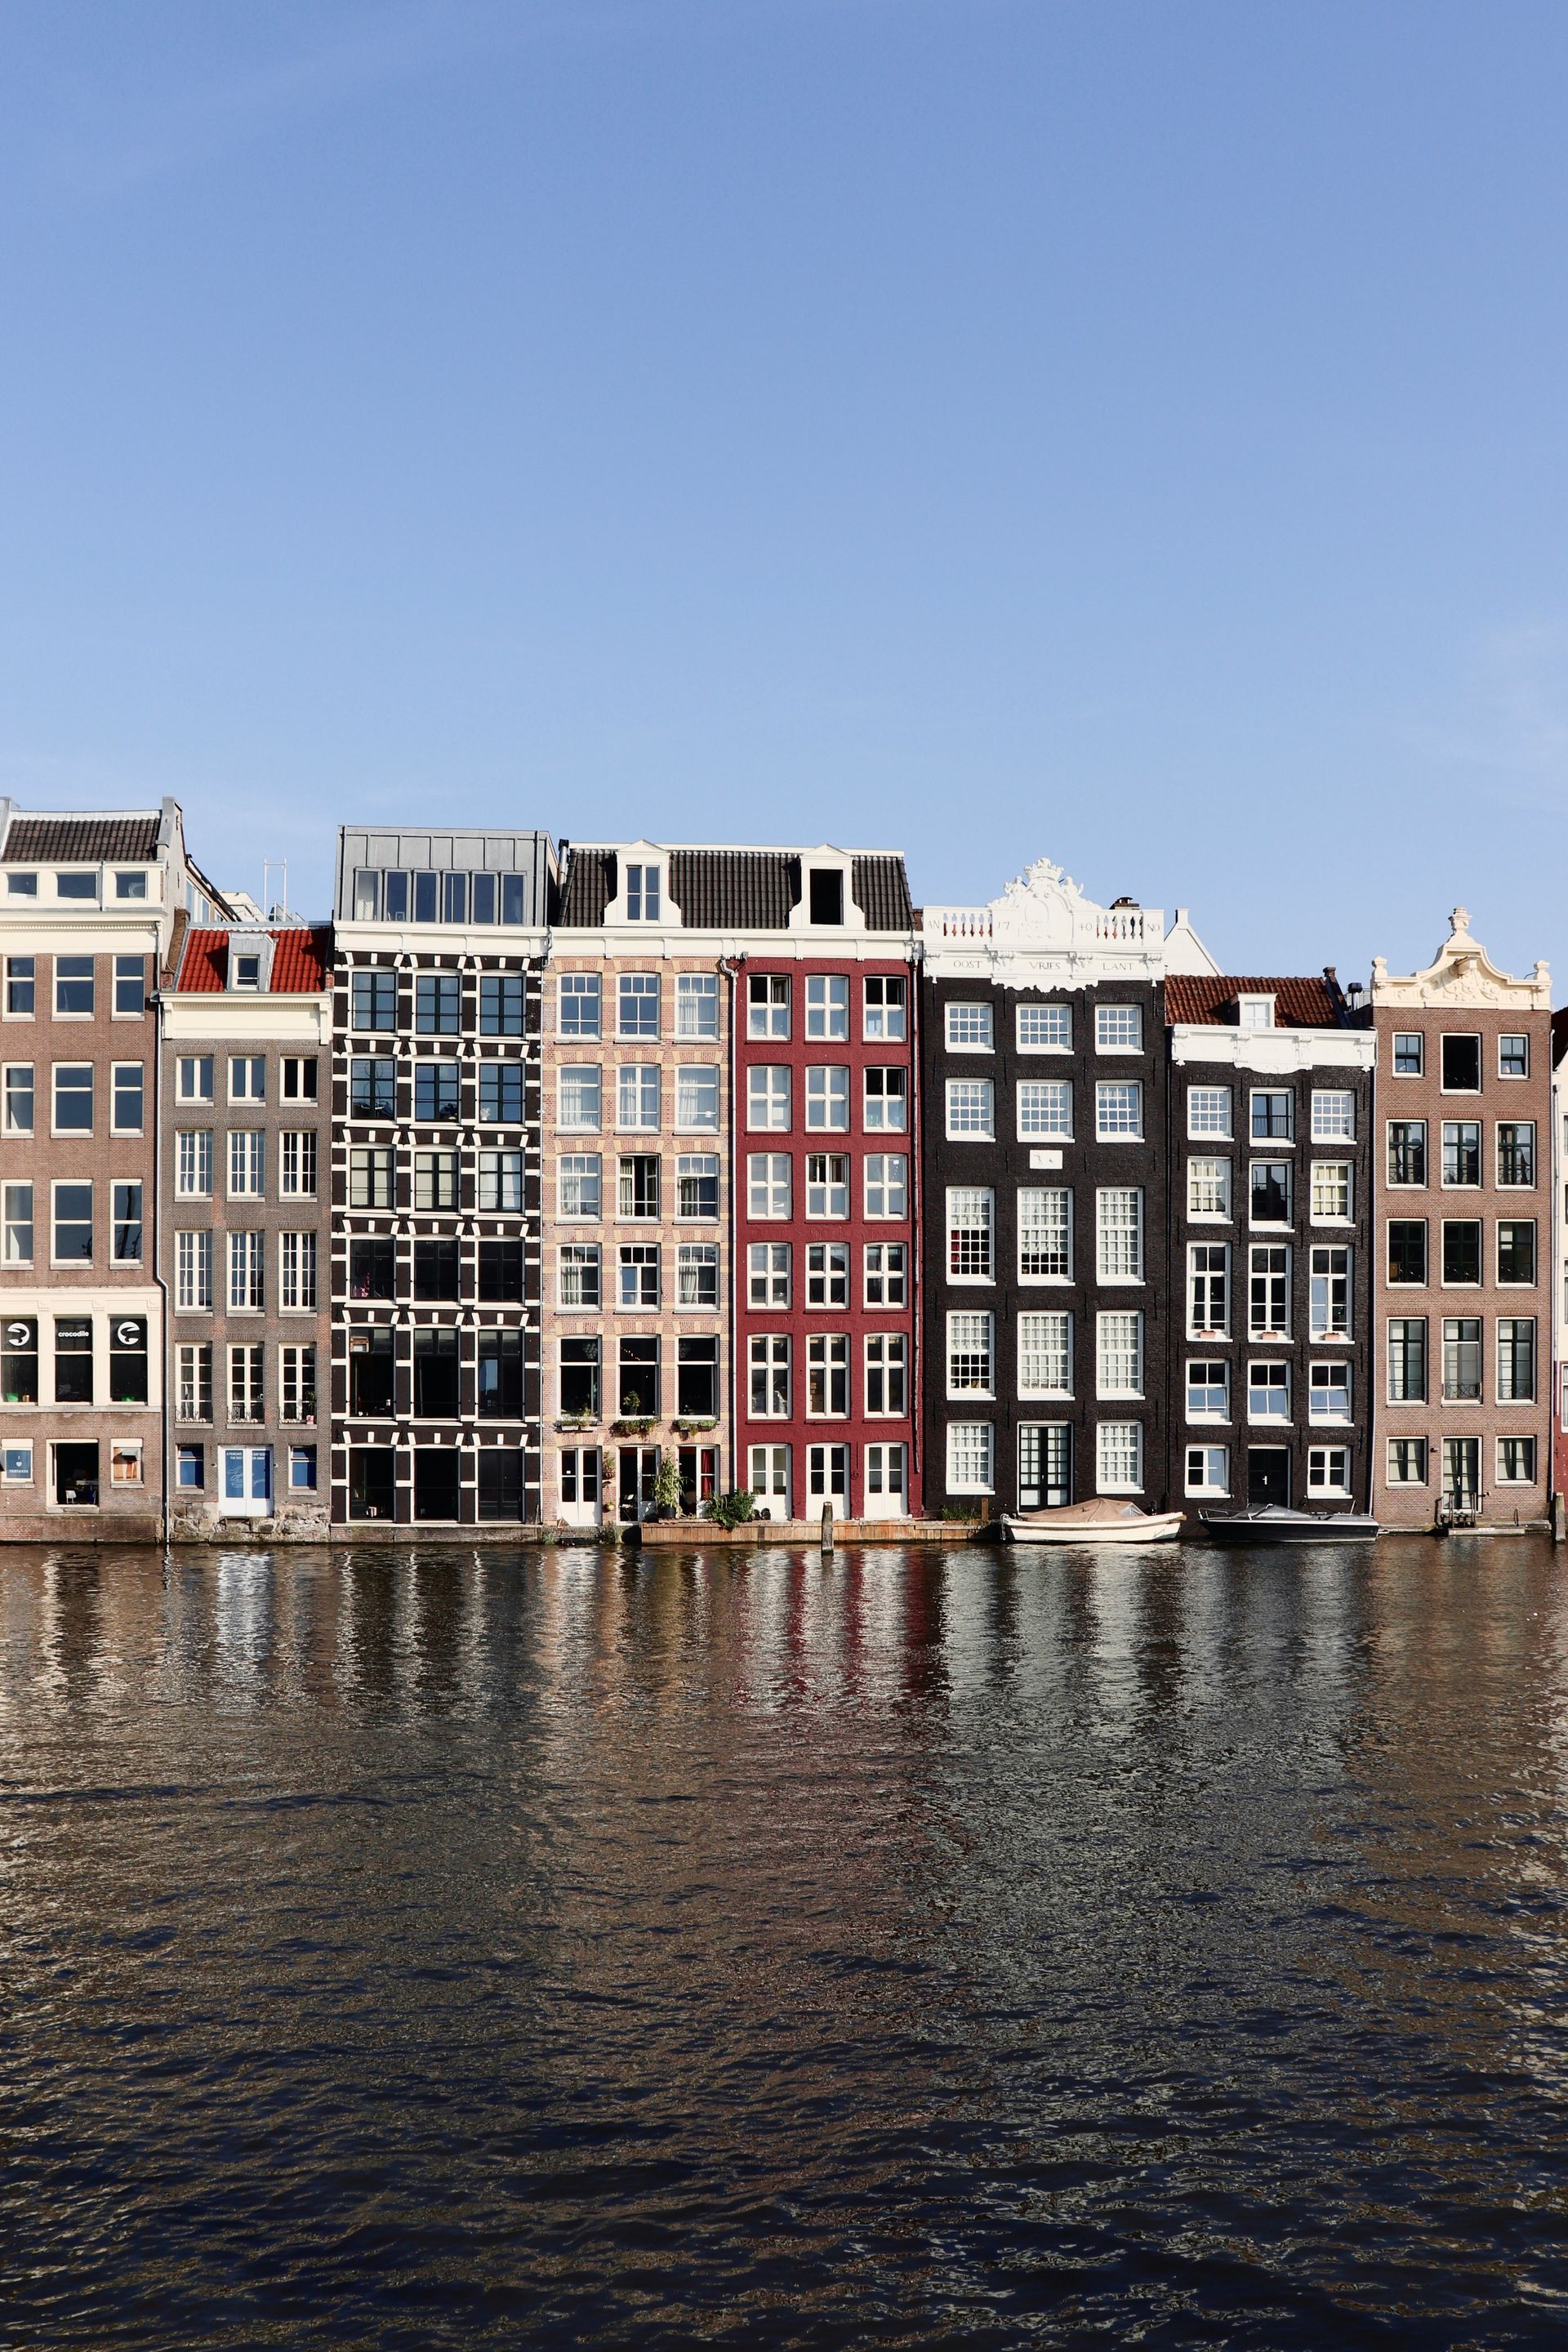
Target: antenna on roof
(275,865)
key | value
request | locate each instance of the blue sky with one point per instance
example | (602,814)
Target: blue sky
(1127,433)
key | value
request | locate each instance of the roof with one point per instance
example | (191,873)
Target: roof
(299,961)
(1299,1003)
(736,889)
(80,840)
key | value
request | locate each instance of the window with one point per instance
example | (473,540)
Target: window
(696,1378)
(500,1183)
(1516,1460)
(1273,1119)
(1208,1291)
(1513,1058)
(369,1177)
(73,1223)
(1268,1288)
(18,1113)
(1333,1116)
(192,1271)
(1516,1250)
(969,1457)
(1461,1359)
(1328,1470)
(245,971)
(885,1015)
(638,1286)
(1461,1066)
(969,1028)
(373,1089)
(1462,1249)
(767,1004)
(1461,1472)
(697,1273)
(636,1096)
(970,1107)
(969,1355)
(129,984)
(438,1003)
(1118,1108)
(371,1384)
(246,1078)
(1044,1355)
(501,1005)
(1208,1470)
(970,1216)
(16,1241)
(885,1274)
(1407,1359)
(297,1383)
(827,1098)
(498,1383)
(244,1384)
(297,1266)
(768,1274)
(638,1194)
(696,1184)
(1118,1233)
(435,1179)
(1118,1029)
(639,1004)
(1329,1291)
(768,1098)
(297,1162)
(577,1185)
(577,1096)
(887,1375)
(887,1186)
(73,1098)
(827,1273)
(579,1378)
(767,1477)
(1045,1108)
(1461,1151)
(372,1000)
(770,1378)
(1516,1360)
(502,1093)
(887,1103)
(577,1274)
(19,1360)
(191,1467)
(436,1389)
(19,986)
(500,1270)
(827,1376)
(1407,1249)
(1119,1355)
(302,1469)
(1409,1054)
(1045,1029)
(1119,1457)
(437,1267)
(768,1184)
(1045,1234)
(1269,1392)
(1270,1191)
(1516,1151)
(1208,1390)
(247,1163)
(194,1383)
(1407,1152)
(125,1223)
(22,886)
(642,894)
(1408,1461)
(1208,1188)
(73,987)
(826,1184)
(245,1276)
(1208,1111)
(578,1003)
(1329,1393)
(1254,1012)
(696,1005)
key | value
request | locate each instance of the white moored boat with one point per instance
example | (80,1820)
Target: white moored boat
(1103,1521)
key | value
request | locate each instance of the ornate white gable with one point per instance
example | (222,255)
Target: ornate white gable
(1462,975)
(1044,928)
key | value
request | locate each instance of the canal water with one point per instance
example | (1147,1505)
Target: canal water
(534,1948)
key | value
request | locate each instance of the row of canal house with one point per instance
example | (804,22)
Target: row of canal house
(563,1183)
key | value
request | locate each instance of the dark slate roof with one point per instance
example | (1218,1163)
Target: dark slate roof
(81,840)
(1299,1003)
(299,961)
(735,889)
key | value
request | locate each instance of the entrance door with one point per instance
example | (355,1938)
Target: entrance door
(636,1471)
(698,1476)
(580,1485)
(246,1482)
(767,1475)
(75,1475)
(1462,1475)
(827,1480)
(1268,1475)
(886,1486)
(1045,1465)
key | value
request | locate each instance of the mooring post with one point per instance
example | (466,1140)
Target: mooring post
(828,1531)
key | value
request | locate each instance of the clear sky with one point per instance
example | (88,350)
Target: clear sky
(1122,431)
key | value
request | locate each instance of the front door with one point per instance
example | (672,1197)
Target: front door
(1268,1475)
(887,1489)
(827,1480)
(246,1482)
(637,1470)
(580,1485)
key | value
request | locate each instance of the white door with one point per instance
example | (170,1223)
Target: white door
(767,1475)
(827,1480)
(246,1482)
(580,1485)
(887,1489)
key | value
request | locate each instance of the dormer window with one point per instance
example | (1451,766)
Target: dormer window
(642,894)
(131,886)
(247,971)
(22,886)
(76,885)
(826,895)
(1255,1011)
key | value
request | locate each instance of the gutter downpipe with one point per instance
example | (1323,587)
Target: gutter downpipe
(166,1350)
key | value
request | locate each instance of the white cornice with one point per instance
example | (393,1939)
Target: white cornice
(1273,1053)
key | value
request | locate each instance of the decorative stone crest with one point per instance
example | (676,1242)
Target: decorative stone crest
(1462,975)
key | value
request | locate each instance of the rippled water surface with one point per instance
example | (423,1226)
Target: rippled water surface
(548,1948)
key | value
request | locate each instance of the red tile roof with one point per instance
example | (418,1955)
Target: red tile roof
(299,963)
(1299,1003)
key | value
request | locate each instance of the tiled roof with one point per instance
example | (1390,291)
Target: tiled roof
(735,889)
(299,961)
(81,840)
(1299,1003)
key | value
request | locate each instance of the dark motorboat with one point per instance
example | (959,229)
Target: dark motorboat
(1271,1523)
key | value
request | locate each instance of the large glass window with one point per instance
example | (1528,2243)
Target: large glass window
(638,1003)
(1118,1219)
(827,1005)
(1045,1234)
(578,1003)
(970,1216)
(1044,1355)
(438,1003)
